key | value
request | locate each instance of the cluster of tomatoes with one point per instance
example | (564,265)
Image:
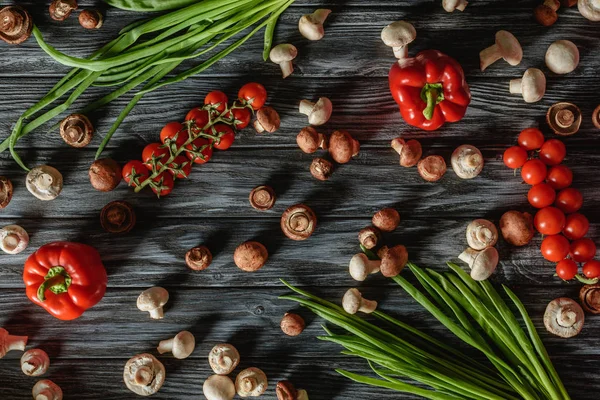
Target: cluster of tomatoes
(181,145)
(558,204)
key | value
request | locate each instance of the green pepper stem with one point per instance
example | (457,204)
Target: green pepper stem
(432,94)
(57,280)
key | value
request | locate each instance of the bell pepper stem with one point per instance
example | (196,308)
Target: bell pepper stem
(57,280)
(432,94)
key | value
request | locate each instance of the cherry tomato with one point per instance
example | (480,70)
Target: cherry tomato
(541,195)
(199,116)
(181,167)
(531,139)
(534,172)
(514,157)
(164,184)
(135,173)
(172,130)
(569,200)
(226,136)
(241,116)
(583,250)
(253,94)
(576,226)
(216,99)
(591,269)
(155,155)
(566,269)
(553,152)
(555,248)
(194,147)
(549,221)
(560,177)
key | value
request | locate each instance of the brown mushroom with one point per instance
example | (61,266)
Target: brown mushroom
(386,220)
(15,24)
(369,236)
(393,260)
(342,147)
(117,217)
(564,317)
(251,382)
(11,343)
(285,390)
(144,374)
(46,390)
(564,118)
(105,174)
(292,324)
(62,9)
(267,120)
(546,13)
(309,140)
(298,222)
(91,19)
(198,258)
(517,227)
(321,169)
(250,256)
(432,168)
(410,151)
(568,3)
(76,130)
(6,191)
(596,117)
(589,296)
(262,198)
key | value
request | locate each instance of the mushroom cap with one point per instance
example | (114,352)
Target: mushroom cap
(283,53)
(481,233)
(262,198)
(218,387)
(298,222)
(308,140)
(562,57)
(564,317)
(13,17)
(596,117)
(351,301)
(359,267)
(485,264)
(13,239)
(6,191)
(251,382)
(533,85)
(198,258)
(410,151)
(386,220)
(369,237)
(105,174)
(432,168)
(321,112)
(184,344)
(285,390)
(153,298)
(342,147)
(311,25)
(250,256)
(321,168)
(51,387)
(35,362)
(44,182)
(292,324)
(398,34)
(589,295)
(467,161)
(564,118)
(77,130)
(223,359)
(268,118)
(590,9)
(144,374)
(509,47)
(393,260)
(517,228)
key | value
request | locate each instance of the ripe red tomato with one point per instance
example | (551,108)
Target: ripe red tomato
(241,116)
(555,248)
(560,177)
(181,167)
(541,195)
(135,173)
(514,157)
(569,200)
(576,226)
(172,130)
(583,250)
(534,172)
(155,155)
(164,184)
(549,221)
(591,269)
(253,94)
(205,154)
(226,136)
(216,99)
(199,116)
(553,152)
(531,139)
(566,269)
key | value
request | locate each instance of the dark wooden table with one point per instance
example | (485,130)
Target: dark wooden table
(224,304)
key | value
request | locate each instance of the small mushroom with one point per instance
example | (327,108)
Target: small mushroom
(13,239)
(218,387)
(298,222)
(596,117)
(532,86)
(152,300)
(318,113)
(105,174)
(311,25)
(91,19)
(517,227)
(10,342)
(46,390)
(353,302)
(398,36)
(393,260)
(76,130)
(321,169)
(251,382)
(62,9)
(6,191)
(361,267)
(44,182)
(451,5)
(267,120)
(310,141)
(117,217)
(410,151)
(546,13)
(564,118)
(223,359)
(386,220)
(562,57)
(481,234)
(483,263)
(564,317)
(250,256)
(285,390)
(144,374)
(342,147)
(15,24)
(283,55)
(590,9)
(35,362)
(432,168)
(506,47)
(589,296)
(182,345)
(302,394)
(467,161)
(292,324)
(369,237)
(262,198)
(198,258)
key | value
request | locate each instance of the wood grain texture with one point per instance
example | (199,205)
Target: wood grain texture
(349,66)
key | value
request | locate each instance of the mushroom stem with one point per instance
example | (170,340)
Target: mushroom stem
(400,52)
(157,313)
(143,376)
(45,394)
(462,4)
(564,118)
(306,107)
(16,343)
(468,256)
(489,56)
(367,306)
(10,242)
(287,68)
(320,15)
(516,86)
(166,346)
(566,317)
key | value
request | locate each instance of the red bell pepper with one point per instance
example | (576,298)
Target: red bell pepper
(430,89)
(65,278)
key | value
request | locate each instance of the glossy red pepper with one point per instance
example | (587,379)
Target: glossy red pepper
(65,278)
(430,89)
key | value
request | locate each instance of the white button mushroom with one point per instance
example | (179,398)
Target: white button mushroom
(564,317)
(144,374)
(506,47)
(360,267)
(182,345)
(13,239)
(251,382)
(218,387)
(483,263)
(467,161)
(590,9)
(283,54)
(398,36)
(223,359)
(44,182)
(10,342)
(451,5)
(532,86)
(354,302)
(153,300)
(47,390)
(318,113)
(481,234)
(35,362)
(311,25)
(562,57)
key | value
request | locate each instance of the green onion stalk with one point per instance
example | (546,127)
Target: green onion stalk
(145,52)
